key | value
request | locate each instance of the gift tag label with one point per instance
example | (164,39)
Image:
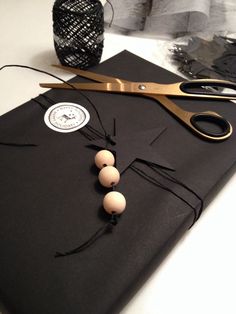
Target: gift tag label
(66,117)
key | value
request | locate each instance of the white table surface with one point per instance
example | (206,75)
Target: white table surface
(199,276)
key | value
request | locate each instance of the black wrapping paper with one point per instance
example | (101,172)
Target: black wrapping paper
(50,199)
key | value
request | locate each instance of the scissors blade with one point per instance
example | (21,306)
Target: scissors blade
(123,87)
(134,88)
(90,75)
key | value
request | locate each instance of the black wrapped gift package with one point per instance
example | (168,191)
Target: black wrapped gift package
(49,198)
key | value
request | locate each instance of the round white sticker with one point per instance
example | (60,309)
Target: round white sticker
(66,117)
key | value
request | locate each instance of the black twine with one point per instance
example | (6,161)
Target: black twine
(104,229)
(174,180)
(112,13)
(154,181)
(60,79)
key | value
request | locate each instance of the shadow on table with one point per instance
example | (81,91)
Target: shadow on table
(44,59)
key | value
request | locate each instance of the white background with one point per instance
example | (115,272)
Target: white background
(199,276)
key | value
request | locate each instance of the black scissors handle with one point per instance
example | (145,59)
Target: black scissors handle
(209,87)
(208,124)
(211,125)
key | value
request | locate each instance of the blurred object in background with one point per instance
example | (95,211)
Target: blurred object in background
(207,59)
(175,18)
(78,27)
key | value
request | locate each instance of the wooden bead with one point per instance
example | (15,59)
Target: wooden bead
(114,202)
(104,158)
(109,176)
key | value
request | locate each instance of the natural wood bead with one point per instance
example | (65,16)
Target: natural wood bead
(114,202)
(109,176)
(104,158)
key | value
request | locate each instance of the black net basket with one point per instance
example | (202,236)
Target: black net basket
(78,27)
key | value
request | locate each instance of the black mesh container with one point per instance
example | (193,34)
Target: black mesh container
(78,27)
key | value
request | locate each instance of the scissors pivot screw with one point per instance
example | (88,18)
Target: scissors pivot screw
(142,86)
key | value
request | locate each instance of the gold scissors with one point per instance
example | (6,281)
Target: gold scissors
(216,89)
